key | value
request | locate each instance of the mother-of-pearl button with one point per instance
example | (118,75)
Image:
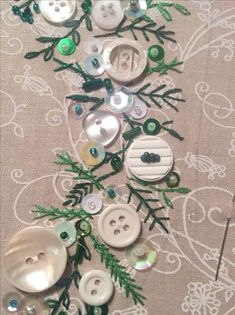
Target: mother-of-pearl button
(150,171)
(58,11)
(119,225)
(31,259)
(107,14)
(124,59)
(96,287)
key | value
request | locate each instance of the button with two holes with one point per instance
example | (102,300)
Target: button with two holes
(96,287)
(119,225)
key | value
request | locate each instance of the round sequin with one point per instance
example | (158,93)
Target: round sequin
(172,180)
(87,155)
(11,302)
(76,111)
(112,194)
(94,64)
(141,255)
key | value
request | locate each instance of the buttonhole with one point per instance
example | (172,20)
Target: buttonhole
(97,282)
(112,222)
(126,227)
(41,256)
(121,218)
(57,9)
(51,3)
(29,260)
(117,232)
(93,292)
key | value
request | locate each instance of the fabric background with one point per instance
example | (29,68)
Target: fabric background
(35,126)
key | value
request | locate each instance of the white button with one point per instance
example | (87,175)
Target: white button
(92,203)
(120,101)
(94,65)
(119,225)
(124,60)
(139,109)
(96,287)
(150,171)
(93,46)
(67,232)
(57,11)
(107,14)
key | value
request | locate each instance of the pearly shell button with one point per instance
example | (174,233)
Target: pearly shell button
(101,126)
(92,152)
(107,14)
(139,109)
(92,203)
(124,59)
(150,171)
(31,259)
(93,64)
(57,11)
(67,232)
(96,287)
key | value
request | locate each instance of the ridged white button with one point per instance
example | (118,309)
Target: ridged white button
(119,225)
(96,287)
(124,59)
(107,14)
(57,11)
(150,171)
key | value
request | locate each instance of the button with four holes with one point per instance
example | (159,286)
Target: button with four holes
(67,232)
(92,203)
(107,14)
(119,225)
(96,287)
(57,11)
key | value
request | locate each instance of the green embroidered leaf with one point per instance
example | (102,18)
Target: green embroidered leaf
(47,39)
(88,23)
(76,37)
(164,12)
(72,24)
(48,54)
(32,54)
(182,9)
(183,190)
(167,200)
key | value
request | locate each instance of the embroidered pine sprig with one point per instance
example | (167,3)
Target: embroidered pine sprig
(154,95)
(73,67)
(77,193)
(118,271)
(26,15)
(97,101)
(147,28)
(145,202)
(55,213)
(163,67)
(77,168)
(163,191)
(163,7)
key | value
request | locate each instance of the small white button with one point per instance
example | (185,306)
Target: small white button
(119,225)
(58,11)
(67,232)
(96,287)
(92,203)
(139,109)
(93,64)
(124,59)
(107,15)
(93,46)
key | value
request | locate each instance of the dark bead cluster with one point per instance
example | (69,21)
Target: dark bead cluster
(150,157)
(25,13)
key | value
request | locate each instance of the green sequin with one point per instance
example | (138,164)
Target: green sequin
(151,127)
(172,180)
(116,163)
(156,53)
(83,227)
(66,46)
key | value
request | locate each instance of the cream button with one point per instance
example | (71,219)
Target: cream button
(139,109)
(107,14)
(57,11)
(92,203)
(119,225)
(101,126)
(96,287)
(67,232)
(124,59)
(31,259)
(150,171)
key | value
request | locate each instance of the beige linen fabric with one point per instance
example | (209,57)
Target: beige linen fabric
(35,126)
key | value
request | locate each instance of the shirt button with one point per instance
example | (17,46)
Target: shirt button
(32,252)
(101,126)
(92,203)
(139,109)
(120,101)
(93,46)
(96,287)
(107,14)
(92,152)
(57,11)
(119,225)
(151,172)
(66,46)
(94,64)
(67,232)
(12,302)
(33,306)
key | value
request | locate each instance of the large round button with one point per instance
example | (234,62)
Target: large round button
(150,171)
(67,232)
(96,287)
(120,101)
(107,14)
(92,203)
(92,152)
(119,225)
(31,256)
(32,305)
(124,59)
(101,126)
(139,109)
(57,11)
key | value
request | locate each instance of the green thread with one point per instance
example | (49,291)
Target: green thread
(118,271)
(26,15)
(163,67)
(77,193)
(97,101)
